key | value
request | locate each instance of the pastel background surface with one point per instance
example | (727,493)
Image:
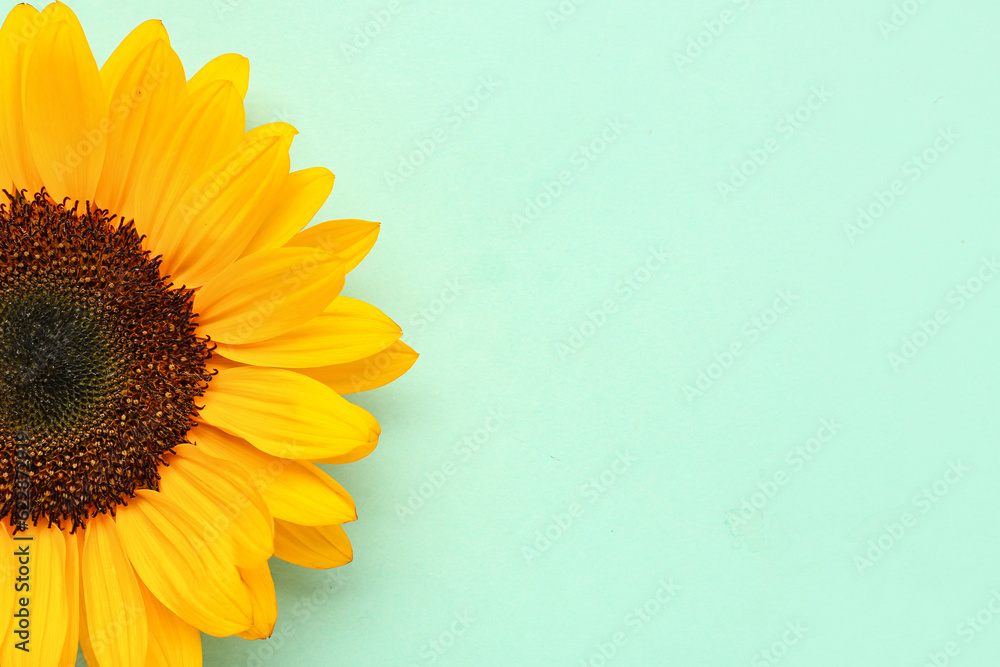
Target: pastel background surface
(567,244)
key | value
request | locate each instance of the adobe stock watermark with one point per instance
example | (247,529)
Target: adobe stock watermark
(213,183)
(635,621)
(31,29)
(554,188)
(103,639)
(456,115)
(919,336)
(757,533)
(370,29)
(282,116)
(562,12)
(374,367)
(898,17)
(751,331)
(913,169)
(218,526)
(785,128)
(892,532)
(433,650)
(709,35)
(967,630)
(598,316)
(121,107)
(437,306)
(303,271)
(462,452)
(780,648)
(224,7)
(20,623)
(22,480)
(795,459)
(560,523)
(260,653)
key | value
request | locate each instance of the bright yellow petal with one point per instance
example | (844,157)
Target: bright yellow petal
(267,294)
(330,503)
(65,110)
(346,330)
(293,490)
(172,641)
(230,513)
(197,582)
(113,69)
(20,26)
(219,363)
(371,372)
(219,214)
(302,195)
(145,93)
(7,573)
(230,67)
(88,651)
(350,239)
(265,606)
(48,614)
(204,130)
(116,615)
(316,547)
(286,414)
(71,645)
(349,457)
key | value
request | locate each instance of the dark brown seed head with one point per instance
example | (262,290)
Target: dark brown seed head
(100,365)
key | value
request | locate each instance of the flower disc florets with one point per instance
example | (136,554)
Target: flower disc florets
(100,364)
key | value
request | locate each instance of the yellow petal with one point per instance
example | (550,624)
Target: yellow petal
(265,606)
(301,196)
(268,293)
(293,490)
(220,212)
(172,641)
(286,414)
(371,372)
(346,330)
(206,128)
(197,582)
(330,503)
(145,93)
(65,110)
(74,543)
(230,67)
(116,615)
(121,58)
(22,24)
(229,513)
(219,363)
(316,547)
(349,457)
(351,239)
(7,573)
(88,651)
(48,614)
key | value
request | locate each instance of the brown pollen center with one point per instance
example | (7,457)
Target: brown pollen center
(100,364)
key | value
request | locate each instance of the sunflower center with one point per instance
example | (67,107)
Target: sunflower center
(100,366)
(56,361)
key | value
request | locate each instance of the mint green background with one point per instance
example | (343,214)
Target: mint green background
(671,514)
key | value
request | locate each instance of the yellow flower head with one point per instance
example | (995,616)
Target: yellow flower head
(173,351)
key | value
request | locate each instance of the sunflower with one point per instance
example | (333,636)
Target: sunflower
(173,352)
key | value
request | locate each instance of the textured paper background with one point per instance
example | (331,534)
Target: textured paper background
(819,502)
